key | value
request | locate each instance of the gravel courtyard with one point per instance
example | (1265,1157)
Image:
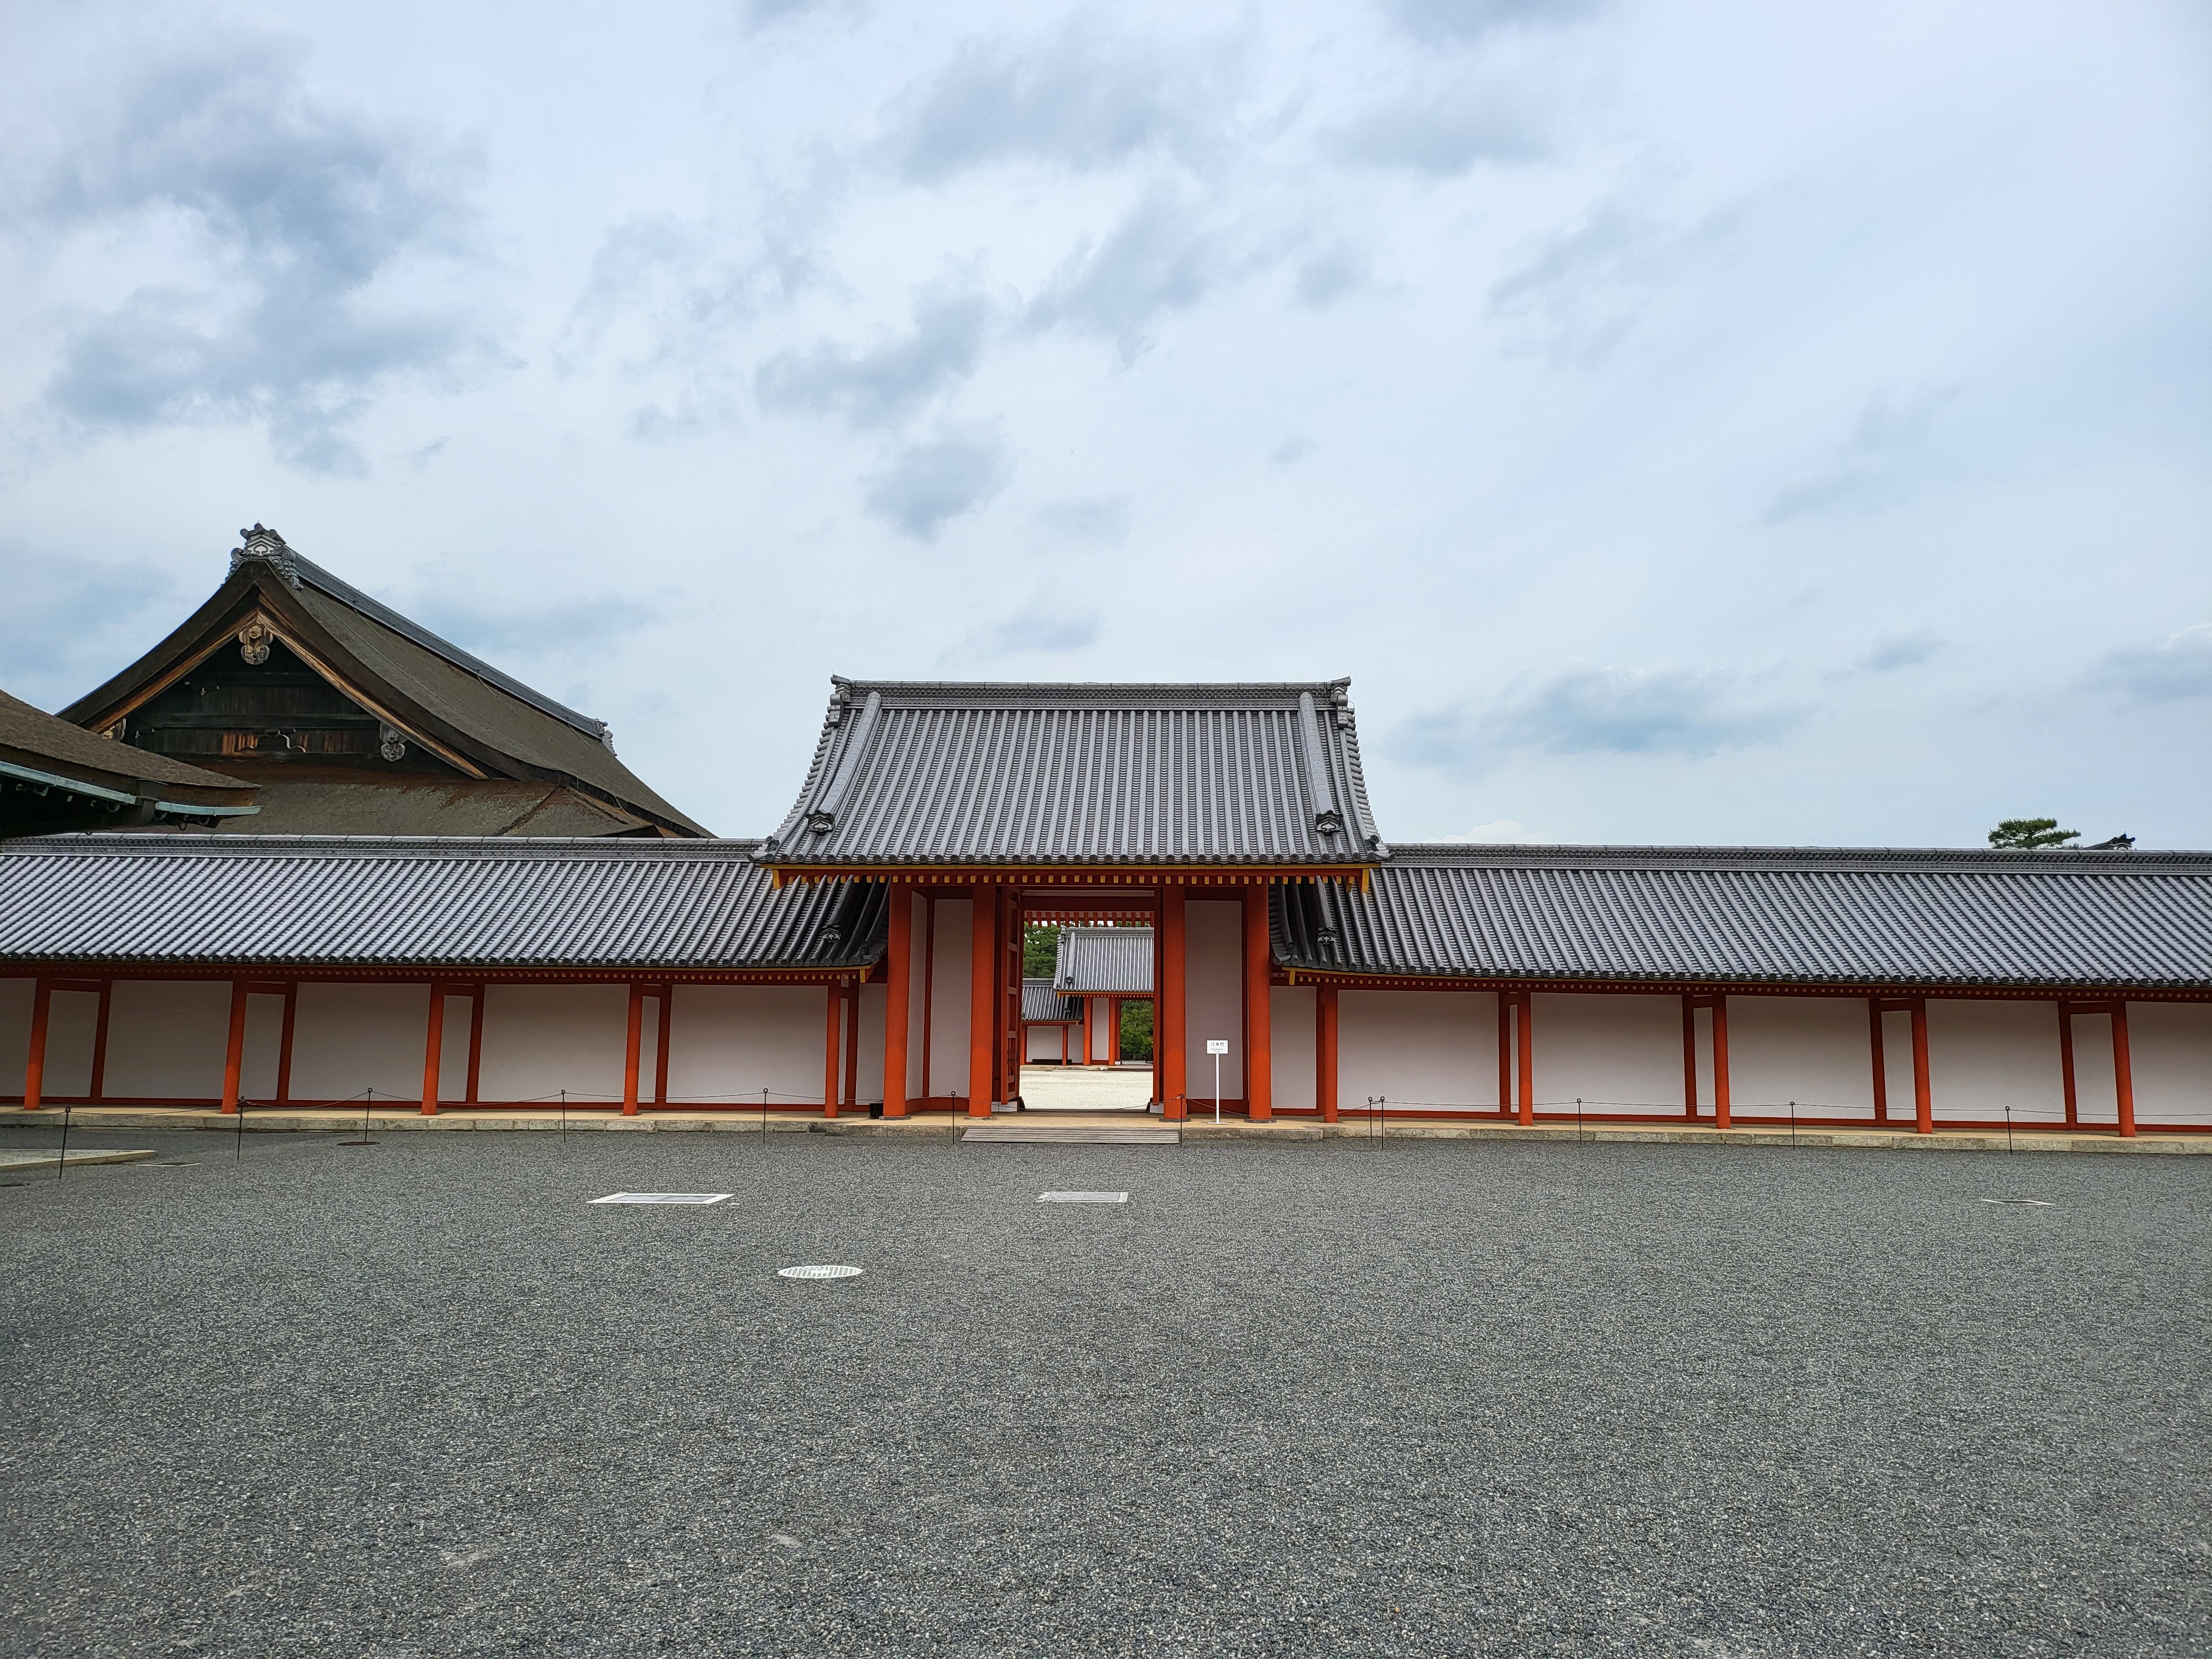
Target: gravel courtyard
(423,1399)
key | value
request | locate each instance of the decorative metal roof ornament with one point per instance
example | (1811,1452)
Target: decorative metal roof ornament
(267,547)
(390,743)
(253,640)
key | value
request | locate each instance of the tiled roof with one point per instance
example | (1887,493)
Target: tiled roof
(1783,916)
(1116,961)
(946,775)
(443,902)
(1040,1001)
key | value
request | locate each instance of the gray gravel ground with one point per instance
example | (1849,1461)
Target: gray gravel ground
(422,1399)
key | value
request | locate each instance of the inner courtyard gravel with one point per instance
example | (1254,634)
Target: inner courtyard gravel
(424,1398)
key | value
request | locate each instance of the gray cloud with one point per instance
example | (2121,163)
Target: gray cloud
(1326,277)
(1042,625)
(1162,257)
(69,622)
(1444,136)
(1085,98)
(1602,711)
(1894,651)
(694,299)
(1439,22)
(303,206)
(1103,519)
(1581,284)
(530,629)
(893,379)
(1874,467)
(932,483)
(1291,450)
(2176,669)
(766,13)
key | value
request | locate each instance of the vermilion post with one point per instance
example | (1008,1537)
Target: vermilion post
(899,983)
(2124,1079)
(1720,1063)
(1878,1060)
(833,1048)
(433,1049)
(233,1055)
(1923,1099)
(100,1042)
(1259,1039)
(633,1044)
(284,1045)
(1528,1058)
(471,1091)
(1169,1036)
(660,1043)
(1325,1051)
(34,1067)
(2066,1065)
(1689,1057)
(982,997)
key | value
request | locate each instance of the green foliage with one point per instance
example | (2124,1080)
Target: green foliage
(1040,949)
(1136,1030)
(2027,834)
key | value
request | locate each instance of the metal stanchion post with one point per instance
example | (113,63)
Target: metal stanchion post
(1579,1119)
(239,1141)
(62,1161)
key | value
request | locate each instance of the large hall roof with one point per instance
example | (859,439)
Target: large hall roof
(1752,917)
(918,775)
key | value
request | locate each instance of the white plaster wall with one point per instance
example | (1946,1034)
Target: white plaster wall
(1434,1047)
(453,1049)
(541,1039)
(1617,1053)
(166,1039)
(72,1017)
(730,1041)
(1813,1050)
(2096,1087)
(347,1038)
(1291,1016)
(262,1048)
(16,996)
(1213,994)
(1897,1066)
(1101,1011)
(1983,1057)
(875,998)
(1044,1042)
(2170,1053)
(949,994)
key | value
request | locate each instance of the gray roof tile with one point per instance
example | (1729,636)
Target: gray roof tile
(1041,1001)
(1783,916)
(1108,961)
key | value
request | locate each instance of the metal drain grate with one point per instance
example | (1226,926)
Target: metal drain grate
(819,1273)
(2039,1203)
(661,1198)
(1082,1198)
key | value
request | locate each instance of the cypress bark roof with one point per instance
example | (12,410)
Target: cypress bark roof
(919,774)
(41,751)
(2056,920)
(445,699)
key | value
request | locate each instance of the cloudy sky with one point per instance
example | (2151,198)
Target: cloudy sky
(1684,422)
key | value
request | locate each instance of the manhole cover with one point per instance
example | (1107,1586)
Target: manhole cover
(2039,1203)
(661,1198)
(819,1273)
(1082,1198)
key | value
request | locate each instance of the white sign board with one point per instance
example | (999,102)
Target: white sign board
(1216,1045)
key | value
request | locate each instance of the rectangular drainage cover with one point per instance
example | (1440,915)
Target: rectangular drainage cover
(661,1198)
(1082,1198)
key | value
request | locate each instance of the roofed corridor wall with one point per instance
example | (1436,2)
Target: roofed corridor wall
(1421,1052)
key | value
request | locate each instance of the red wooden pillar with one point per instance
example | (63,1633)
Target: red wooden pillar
(1168,1038)
(1325,1051)
(833,1048)
(1528,1058)
(2123,1076)
(99,1042)
(852,1042)
(34,1067)
(633,1044)
(433,1049)
(1259,1037)
(898,983)
(2066,1065)
(982,997)
(472,1091)
(1881,1061)
(1720,1063)
(1924,1101)
(1689,1057)
(233,1055)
